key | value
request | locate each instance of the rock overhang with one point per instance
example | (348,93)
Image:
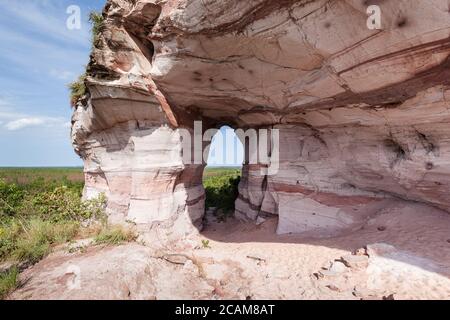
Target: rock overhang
(362,113)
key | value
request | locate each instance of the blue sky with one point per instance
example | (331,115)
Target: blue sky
(226,149)
(39,56)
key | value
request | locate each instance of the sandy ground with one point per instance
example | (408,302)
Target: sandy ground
(406,256)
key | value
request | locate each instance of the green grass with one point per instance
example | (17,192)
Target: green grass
(77,89)
(96,19)
(115,235)
(221,171)
(41,208)
(25,176)
(8,281)
(205,244)
(221,187)
(38,236)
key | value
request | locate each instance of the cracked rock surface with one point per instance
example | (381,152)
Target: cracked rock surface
(362,114)
(408,260)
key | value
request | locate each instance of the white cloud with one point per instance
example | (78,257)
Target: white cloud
(23,123)
(13,121)
(26,122)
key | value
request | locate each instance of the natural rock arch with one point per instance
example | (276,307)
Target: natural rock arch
(362,114)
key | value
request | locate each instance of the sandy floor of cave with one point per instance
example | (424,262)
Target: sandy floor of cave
(245,261)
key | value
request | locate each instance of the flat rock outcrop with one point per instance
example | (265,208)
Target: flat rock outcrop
(362,114)
(410,259)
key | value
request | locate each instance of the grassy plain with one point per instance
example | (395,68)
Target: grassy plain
(41,208)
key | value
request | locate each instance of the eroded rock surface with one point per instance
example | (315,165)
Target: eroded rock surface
(410,259)
(362,114)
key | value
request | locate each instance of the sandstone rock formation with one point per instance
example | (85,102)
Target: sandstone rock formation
(245,261)
(362,114)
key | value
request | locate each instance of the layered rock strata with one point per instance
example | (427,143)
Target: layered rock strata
(363,115)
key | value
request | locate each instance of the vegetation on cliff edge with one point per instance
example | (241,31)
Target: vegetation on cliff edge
(78,88)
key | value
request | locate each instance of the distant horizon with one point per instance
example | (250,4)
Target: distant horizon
(39,167)
(81,167)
